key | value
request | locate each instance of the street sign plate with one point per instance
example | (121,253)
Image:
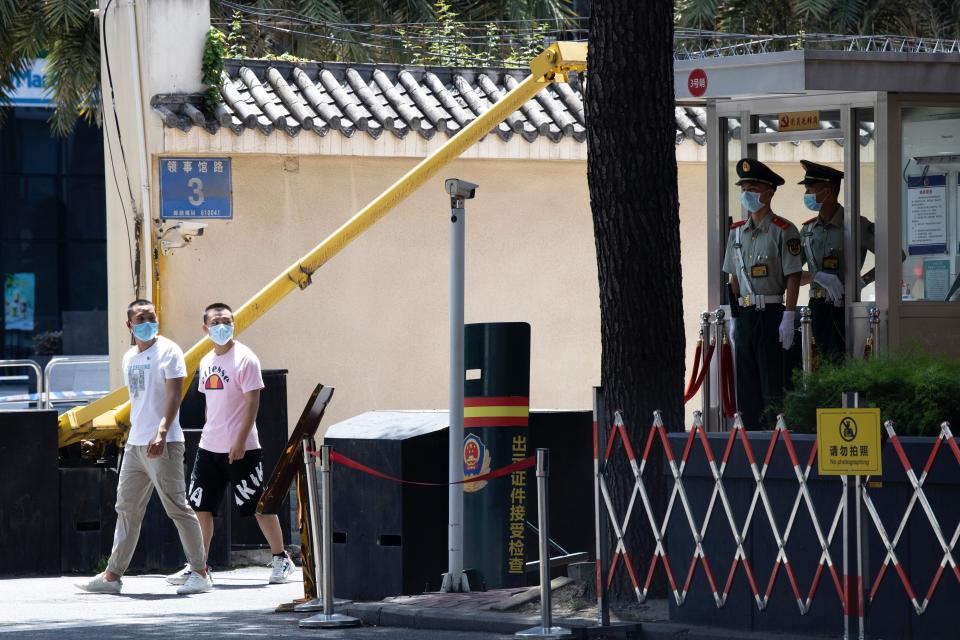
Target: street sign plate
(196,188)
(848,442)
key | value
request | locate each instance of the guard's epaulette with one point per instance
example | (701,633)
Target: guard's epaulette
(780,222)
(810,221)
(738,224)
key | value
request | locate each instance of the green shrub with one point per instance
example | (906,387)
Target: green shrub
(915,389)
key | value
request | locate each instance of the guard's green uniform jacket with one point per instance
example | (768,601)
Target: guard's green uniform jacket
(823,251)
(771,251)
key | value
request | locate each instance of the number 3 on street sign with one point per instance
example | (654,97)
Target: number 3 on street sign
(848,442)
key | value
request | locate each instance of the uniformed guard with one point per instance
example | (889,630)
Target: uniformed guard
(763,258)
(822,238)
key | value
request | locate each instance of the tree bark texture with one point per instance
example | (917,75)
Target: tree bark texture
(632,174)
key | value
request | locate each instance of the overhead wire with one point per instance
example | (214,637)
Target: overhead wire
(134,274)
(270,12)
(467,60)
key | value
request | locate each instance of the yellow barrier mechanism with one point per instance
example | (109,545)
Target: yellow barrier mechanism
(108,417)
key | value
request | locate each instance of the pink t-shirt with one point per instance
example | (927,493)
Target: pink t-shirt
(223,380)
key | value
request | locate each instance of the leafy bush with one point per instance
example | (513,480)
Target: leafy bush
(915,389)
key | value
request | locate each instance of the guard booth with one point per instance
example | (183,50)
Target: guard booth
(890,120)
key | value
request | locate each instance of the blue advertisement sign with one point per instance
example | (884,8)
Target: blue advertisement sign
(192,188)
(30,87)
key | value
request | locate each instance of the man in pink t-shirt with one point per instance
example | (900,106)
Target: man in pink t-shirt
(229,452)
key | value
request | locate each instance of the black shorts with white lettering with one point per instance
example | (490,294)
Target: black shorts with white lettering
(212,472)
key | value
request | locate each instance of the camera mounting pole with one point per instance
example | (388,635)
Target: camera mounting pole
(455,580)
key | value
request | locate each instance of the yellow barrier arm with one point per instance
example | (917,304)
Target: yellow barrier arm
(104,418)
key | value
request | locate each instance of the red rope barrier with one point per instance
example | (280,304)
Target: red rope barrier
(699,373)
(728,391)
(526,463)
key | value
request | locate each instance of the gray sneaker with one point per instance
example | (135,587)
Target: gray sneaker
(195,583)
(181,576)
(99,584)
(280,568)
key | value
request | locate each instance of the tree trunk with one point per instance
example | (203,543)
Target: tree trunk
(632,174)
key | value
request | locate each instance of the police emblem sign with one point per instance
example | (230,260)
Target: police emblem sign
(196,188)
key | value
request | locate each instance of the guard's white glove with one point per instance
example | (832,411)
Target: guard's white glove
(831,285)
(731,329)
(787,329)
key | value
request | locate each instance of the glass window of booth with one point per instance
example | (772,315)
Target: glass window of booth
(931,174)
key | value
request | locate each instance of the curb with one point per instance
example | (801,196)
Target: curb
(439,619)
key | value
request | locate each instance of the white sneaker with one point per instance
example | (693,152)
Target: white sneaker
(181,576)
(195,583)
(280,568)
(99,584)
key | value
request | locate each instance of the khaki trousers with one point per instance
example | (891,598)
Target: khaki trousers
(139,476)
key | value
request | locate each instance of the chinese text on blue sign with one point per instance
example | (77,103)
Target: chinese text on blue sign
(195,188)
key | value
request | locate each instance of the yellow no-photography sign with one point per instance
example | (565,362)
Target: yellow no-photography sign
(848,442)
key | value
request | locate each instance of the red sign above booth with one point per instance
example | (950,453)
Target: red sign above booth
(697,82)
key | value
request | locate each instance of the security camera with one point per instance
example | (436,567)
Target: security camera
(187,227)
(460,188)
(179,234)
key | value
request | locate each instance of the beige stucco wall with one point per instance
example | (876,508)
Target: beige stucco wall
(374,323)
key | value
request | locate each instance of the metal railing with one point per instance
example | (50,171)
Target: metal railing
(71,397)
(38,373)
(692,44)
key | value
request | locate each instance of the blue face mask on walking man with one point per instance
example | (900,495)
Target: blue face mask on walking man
(145,331)
(221,334)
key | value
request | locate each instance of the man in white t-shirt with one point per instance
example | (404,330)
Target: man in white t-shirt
(229,452)
(153,370)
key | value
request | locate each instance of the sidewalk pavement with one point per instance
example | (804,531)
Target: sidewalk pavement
(242,605)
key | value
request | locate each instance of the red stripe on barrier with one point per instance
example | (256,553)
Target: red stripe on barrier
(933,455)
(666,568)
(648,445)
(773,444)
(689,444)
(499,401)
(954,447)
(629,565)
(666,443)
(792,578)
(729,449)
(506,421)
(626,442)
(599,578)
(773,579)
(690,570)
(709,574)
(610,440)
(934,582)
(707,450)
(876,581)
(849,599)
(613,568)
(895,441)
(746,446)
(905,580)
(526,463)
(816,581)
(790,451)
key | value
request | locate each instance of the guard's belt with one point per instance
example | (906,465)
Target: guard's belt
(759,301)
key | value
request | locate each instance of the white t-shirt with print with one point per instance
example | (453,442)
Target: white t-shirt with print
(145,373)
(223,380)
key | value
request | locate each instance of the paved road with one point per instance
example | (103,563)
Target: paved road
(240,606)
